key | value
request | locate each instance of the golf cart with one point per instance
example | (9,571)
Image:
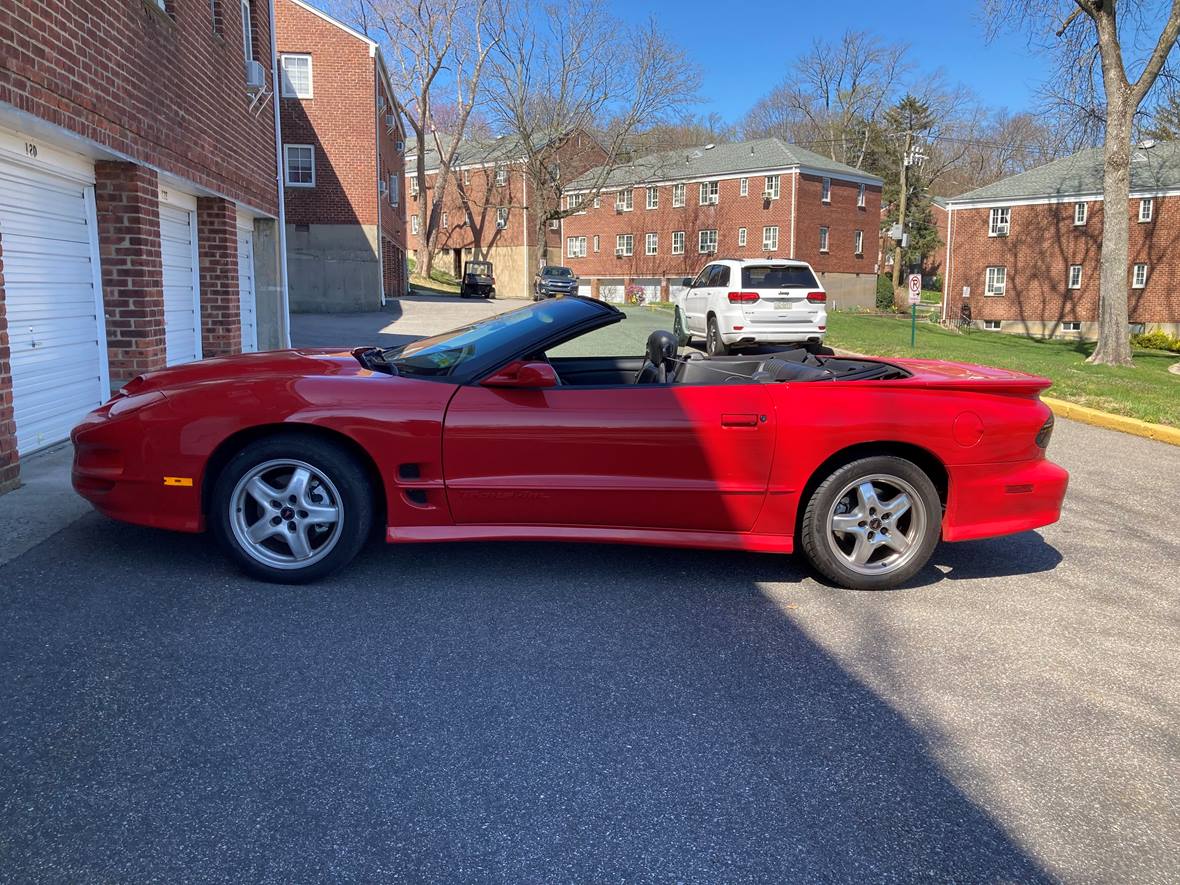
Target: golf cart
(478,281)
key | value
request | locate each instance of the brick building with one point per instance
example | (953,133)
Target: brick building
(1023,254)
(139,200)
(658,219)
(489,210)
(343,147)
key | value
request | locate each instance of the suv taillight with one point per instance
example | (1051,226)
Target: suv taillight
(743,297)
(817,297)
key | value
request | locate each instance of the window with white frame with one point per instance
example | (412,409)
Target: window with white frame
(625,200)
(770,239)
(858,242)
(1080,210)
(1071,326)
(295,70)
(996,281)
(395,188)
(502,218)
(414,224)
(771,190)
(651,244)
(741,236)
(653,198)
(624,244)
(1146,208)
(414,186)
(1000,221)
(860,196)
(744,186)
(993,325)
(501,176)
(444,220)
(710,192)
(247,30)
(597,201)
(574,201)
(596,242)
(825,192)
(677,242)
(707,241)
(1075,276)
(823,239)
(299,160)
(678,195)
(555,224)
(575,247)
(1139,276)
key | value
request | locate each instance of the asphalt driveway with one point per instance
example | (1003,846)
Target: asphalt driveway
(545,712)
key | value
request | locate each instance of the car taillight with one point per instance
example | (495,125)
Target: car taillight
(817,297)
(1045,433)
(743,297)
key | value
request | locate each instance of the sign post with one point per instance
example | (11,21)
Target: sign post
(915,281)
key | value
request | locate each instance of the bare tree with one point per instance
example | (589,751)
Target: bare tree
(434,47)
(573,86)
(1109,56)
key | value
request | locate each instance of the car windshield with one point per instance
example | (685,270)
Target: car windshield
(770,276)
(442,355)
(479,267)
(563,272)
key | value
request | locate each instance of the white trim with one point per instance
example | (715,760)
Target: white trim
(173,197)
(319,12)
(987,278)
(794,209)
(100,319)
(1149,204)
(287,170)
(1135,274)
(1085,207)
(284,79)
(1069,280)
(195,251)
(1054,199)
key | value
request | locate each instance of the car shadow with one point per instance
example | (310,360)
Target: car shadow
(518,712)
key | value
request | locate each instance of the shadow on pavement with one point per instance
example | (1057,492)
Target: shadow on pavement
(511,713)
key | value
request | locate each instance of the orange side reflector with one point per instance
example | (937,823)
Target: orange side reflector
(178,480)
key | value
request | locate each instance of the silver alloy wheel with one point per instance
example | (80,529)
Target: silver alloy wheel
(286,514)
(876,524)
(712,339)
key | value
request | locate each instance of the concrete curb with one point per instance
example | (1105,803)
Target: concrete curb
(1086,415)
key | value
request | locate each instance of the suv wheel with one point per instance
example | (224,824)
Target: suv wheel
(714,344)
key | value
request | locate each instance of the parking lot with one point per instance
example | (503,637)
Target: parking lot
(546,712)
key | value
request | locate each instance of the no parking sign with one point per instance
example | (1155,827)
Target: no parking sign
(915,288)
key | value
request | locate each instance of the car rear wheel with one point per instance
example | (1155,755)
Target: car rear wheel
(714,344)
(292,509)
(872,524)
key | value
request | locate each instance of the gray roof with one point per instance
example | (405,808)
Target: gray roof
(1152,169)
(476,151)
(720,159)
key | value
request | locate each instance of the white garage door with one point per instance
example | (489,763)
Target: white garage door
(52,293)
(249,305)
(178,251)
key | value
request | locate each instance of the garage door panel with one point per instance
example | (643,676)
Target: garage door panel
(247,298)
(58,350)
(177,240)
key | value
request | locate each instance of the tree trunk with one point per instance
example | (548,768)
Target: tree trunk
(1114,345)
(422,256)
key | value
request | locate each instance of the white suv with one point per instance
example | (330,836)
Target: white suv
(740,302)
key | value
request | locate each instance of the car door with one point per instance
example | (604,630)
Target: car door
(696,301)
(635,456)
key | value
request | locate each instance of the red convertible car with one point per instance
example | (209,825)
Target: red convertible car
(293,458)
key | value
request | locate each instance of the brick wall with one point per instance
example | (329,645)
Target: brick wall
(470,203)
(9,467)
(127,201)
(731,213)
(1043,242)
(165,88)
(392,163)
(339,120)
(221,305)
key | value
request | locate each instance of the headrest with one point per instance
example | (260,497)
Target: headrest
(661,346)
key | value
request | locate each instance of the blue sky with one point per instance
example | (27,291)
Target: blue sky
(736,70)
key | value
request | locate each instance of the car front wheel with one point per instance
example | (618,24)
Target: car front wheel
(292,509)
(872,524)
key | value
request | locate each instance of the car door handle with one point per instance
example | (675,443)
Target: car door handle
(733,420)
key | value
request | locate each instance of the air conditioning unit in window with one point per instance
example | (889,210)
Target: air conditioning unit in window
(555,224)
(380,103)
(400,145)
(255,77)
(620,253)
(710,250)
(382,187)
(390,122)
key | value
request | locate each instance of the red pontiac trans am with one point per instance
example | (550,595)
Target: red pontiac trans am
(293,458)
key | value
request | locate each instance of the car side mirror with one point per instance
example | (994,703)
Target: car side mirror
(524,375)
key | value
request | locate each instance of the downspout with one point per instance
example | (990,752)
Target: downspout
(794,207)
(524,189)
(377,123)
(284,299)
(950,239)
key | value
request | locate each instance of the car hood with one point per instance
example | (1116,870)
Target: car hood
(301,362)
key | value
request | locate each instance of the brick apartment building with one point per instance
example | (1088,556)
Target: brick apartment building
(661,217)
(488,210)
(138,200)
(1023,254)
(343,147)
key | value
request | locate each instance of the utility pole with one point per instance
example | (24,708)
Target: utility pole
(901,207)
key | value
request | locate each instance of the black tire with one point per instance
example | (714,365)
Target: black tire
(815,529)
(714,344)
(342,471)
(680,328)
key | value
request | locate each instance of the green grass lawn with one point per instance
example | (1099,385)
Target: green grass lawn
(1147,391)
